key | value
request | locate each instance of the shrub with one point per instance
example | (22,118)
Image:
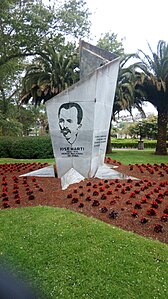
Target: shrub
(5,144)
(132,143)
(31,148)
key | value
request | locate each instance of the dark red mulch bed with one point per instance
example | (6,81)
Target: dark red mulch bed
(140,206)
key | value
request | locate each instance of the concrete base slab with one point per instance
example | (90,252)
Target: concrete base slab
(104,172)
(107,172)
(43,172)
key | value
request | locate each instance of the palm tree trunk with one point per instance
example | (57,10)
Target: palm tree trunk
(161,146)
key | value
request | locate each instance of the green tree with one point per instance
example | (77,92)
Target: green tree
(55,69)
(72,18)
(110,42)
(153,81)
(33,120)
(26,27)
(9,91)
(22,29)
(149,127)
(9,125)
(19,29)
(125,96)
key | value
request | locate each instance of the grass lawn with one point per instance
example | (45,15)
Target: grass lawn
(124,156)
(72,256)
(138,156)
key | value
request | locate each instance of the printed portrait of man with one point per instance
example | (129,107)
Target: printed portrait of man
(70,116)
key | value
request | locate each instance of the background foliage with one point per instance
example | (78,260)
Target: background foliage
(40,147)
(39,57)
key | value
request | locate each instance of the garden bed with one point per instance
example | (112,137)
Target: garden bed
(140,206)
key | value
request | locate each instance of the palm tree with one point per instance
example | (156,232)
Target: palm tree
(125,95)
(153,82)
(50,73)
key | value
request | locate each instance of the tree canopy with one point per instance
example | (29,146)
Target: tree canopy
(27,28)
(152,80)
(50,73)
(26,25)
(110,42)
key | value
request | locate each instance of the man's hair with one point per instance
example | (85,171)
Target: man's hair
(70,105)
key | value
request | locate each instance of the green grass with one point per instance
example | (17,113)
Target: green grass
(138,156)
(72,256)
(124,156)
(131,140)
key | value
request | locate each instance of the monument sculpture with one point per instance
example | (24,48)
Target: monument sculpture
(79,117)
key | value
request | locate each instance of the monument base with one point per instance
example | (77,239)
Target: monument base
(72,176)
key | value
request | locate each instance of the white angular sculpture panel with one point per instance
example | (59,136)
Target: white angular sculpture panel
(79,120)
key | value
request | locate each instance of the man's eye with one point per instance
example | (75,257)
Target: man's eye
(61,120)
(69,120)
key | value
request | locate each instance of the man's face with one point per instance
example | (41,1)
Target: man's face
(68,124)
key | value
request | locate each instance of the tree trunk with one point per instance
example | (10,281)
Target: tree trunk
(4,107)
(109,146)
(161,146)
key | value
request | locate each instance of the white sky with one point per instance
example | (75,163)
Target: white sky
(137,22)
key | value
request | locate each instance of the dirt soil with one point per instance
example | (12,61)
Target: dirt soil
(140,206)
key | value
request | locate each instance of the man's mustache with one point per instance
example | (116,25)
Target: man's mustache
(65,131)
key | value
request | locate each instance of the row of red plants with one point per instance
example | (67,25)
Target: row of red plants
(11,192)
(127,203)
(105,192)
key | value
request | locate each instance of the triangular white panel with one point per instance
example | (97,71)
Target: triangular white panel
(79,120)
